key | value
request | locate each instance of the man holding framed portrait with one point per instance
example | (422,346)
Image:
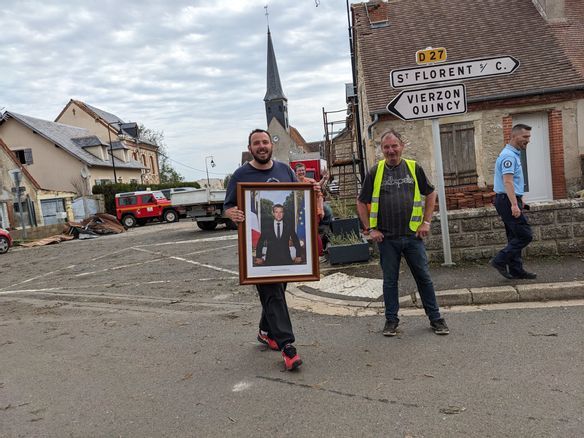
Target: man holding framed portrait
(251,191)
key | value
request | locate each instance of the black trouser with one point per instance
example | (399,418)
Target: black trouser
(519,235)
(275,318)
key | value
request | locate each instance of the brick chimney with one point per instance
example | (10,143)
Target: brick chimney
(378,13)
(551,10)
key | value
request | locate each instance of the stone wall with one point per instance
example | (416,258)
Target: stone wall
(479,233)
(36,233)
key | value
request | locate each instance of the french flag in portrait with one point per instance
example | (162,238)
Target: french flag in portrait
(253,220)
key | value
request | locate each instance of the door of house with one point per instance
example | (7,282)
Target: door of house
(53,211)
(536,165)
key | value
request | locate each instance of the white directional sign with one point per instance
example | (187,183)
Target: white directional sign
(453,71)
(429,103)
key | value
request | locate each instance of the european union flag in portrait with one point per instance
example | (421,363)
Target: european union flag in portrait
(301,223)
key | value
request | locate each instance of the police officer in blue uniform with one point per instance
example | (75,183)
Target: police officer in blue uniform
(509,189)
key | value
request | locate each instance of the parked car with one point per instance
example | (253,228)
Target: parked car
(137,208)
(5,241)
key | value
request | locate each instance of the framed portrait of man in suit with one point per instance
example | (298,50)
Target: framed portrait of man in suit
(277,241)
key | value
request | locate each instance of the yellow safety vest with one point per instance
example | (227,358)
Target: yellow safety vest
(417,212)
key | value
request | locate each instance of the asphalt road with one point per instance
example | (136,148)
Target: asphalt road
(140,335)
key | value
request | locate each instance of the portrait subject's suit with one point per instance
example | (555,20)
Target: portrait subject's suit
(278,249)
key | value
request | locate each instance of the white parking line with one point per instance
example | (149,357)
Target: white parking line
(39,276)
(209,250)
(116,268)
(210,239)
(192,262)
(216,268)
(109,254)
(47,289)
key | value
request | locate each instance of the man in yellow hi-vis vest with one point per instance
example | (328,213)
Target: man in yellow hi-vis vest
(398,220)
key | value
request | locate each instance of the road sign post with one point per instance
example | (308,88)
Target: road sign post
(441,193)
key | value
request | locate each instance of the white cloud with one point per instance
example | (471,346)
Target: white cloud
(191,68)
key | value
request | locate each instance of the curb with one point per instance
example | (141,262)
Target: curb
(464,297)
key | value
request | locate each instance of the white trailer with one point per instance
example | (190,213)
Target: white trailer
(204,206)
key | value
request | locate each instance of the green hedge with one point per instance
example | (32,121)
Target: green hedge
(109,191)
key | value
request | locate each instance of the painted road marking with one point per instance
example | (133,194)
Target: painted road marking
(116,268)
(348,286)
(209,250)
(192,262)
(210,239)
(39,276)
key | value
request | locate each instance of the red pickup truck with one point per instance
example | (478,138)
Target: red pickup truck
(137,208)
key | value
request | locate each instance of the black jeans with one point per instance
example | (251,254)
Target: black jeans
(275,318)
(519,235)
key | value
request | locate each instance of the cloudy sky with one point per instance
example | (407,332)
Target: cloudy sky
(195,70)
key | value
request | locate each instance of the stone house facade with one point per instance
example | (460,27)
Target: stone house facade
(546,92)
(40,207)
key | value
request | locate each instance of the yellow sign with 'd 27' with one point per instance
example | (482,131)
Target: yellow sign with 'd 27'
(431,55)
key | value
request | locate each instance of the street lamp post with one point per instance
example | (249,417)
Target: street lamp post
(207,169)
(109,133)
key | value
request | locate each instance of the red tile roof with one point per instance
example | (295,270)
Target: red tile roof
(470,29)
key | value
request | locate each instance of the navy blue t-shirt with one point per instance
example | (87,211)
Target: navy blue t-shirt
(279,172)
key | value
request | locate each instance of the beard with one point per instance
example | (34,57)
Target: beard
(262,160)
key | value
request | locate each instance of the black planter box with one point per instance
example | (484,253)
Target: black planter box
(358,252)
(345,226)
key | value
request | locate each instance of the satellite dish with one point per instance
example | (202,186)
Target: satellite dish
(85,172)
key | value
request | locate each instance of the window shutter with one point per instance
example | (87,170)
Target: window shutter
(458,154)
(28,156)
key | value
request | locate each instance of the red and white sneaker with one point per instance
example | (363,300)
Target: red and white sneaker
(291,358)
(264,339)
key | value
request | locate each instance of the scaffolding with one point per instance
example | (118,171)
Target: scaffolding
(341,152)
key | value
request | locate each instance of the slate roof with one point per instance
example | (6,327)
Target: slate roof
(71,139)
(273,86)
(108,118)
(86,142)
(469,29)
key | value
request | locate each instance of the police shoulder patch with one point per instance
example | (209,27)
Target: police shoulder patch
(507,164)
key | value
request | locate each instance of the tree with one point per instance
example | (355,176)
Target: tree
(167,173)
(226,180)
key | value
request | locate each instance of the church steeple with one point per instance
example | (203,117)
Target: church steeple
(275,101)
